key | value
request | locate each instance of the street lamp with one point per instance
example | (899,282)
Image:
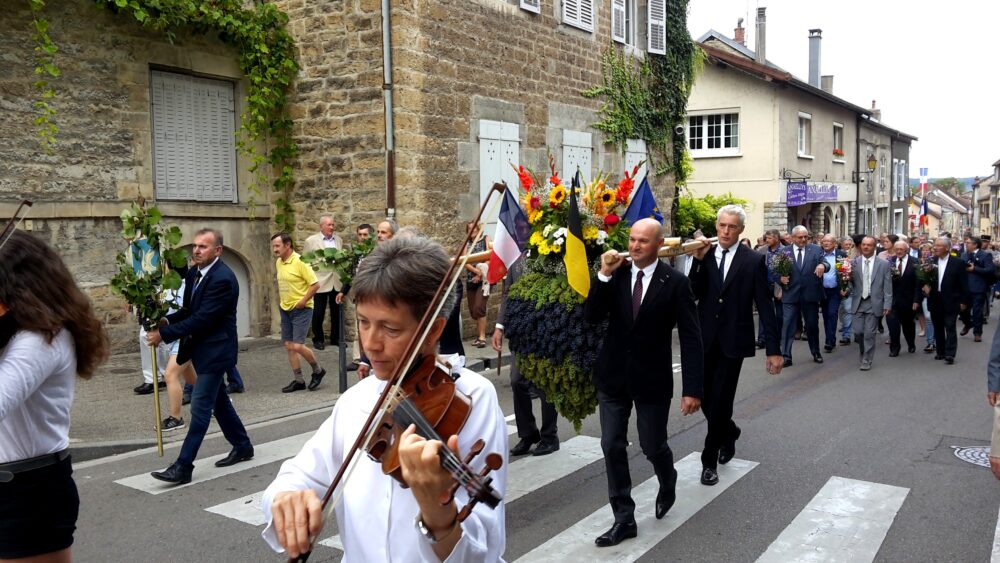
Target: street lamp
(857,177)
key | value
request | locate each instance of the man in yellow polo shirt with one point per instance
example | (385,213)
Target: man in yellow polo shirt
(296,286)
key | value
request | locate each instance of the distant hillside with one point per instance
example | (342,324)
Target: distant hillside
(967,182)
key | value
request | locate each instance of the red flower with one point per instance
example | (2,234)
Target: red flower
(554,180)
(625,188)
(535,202)
(611,220)
(526,179)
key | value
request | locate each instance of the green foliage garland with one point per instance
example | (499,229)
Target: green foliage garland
(267,59)
(559,383)
(343,262)
(144,290)
(699,213)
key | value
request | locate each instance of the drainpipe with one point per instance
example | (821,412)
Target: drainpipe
(859,214)
(390,139)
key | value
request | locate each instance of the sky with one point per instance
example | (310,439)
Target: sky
(930,66)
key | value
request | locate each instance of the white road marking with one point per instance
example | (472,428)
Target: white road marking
(846,521)
(577,542)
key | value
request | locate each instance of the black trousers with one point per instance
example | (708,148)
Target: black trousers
(901,318)
(651,420)
(945,332)
(320,302)
(524,418)
(722,375)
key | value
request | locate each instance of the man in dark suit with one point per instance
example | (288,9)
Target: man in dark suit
(528,432)
(206,326)
(728,279)
(946,299)
(906,299)
(980,273)
(642,303)
(802,294)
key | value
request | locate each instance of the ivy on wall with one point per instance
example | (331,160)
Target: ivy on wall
(266,54)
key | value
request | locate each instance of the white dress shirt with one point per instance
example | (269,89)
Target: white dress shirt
(901,264)
(867,265)
(376,515)
(647,274)
(37,381)
(729,258)
(330,242)
(942,264)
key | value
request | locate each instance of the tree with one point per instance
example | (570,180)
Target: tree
(694,213)
(949,185)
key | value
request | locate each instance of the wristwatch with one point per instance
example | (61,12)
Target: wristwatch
(418,523)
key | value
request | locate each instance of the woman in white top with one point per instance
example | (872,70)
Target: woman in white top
(48,336)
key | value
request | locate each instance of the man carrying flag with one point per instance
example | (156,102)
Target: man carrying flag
(509,242)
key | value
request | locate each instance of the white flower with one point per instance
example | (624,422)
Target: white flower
(560,232)
(559,241)
(601,237)
(547,230)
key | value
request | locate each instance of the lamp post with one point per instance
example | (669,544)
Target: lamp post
(858,177)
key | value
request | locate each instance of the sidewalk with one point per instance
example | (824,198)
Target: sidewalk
(108,418)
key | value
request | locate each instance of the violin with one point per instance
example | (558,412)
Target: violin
(425,396)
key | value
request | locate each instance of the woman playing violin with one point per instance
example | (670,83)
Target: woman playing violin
(48,336)
(379,519)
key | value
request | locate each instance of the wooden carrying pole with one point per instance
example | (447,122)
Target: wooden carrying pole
(156,401)
(671,247)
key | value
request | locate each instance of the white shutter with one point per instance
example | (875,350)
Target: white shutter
(635,152)
(579,13)
(499,148)
(194,145)
(656,15)
(577,153)
(618,20)
(531,5)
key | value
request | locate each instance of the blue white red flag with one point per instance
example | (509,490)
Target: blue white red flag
(510,238)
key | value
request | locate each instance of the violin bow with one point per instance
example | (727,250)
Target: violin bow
(411,352)
(15,221)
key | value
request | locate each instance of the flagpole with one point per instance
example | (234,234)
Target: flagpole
(156,401)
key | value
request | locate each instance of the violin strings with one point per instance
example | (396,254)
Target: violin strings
(448,458)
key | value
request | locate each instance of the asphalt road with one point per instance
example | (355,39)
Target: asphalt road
(892,428)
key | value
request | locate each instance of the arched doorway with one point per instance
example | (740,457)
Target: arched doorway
(828,225)
(235,263)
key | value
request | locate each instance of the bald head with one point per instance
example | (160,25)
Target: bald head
(651,227)
(644,242)
(901,248)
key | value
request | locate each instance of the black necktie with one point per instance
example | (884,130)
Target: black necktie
(798,262)
(637,294)
(197,280)
(722,266)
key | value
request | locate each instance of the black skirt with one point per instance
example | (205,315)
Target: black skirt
(39,509)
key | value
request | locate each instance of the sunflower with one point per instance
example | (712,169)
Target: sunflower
(535,216)
(536,238)
(544,248)
(557,196)
(607,197)
(589,233)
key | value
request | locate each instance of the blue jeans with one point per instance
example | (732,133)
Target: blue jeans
(831,311)
(929,331)
(232,376)
(846,319)
(210,395)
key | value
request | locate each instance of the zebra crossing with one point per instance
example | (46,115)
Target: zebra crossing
(846,520)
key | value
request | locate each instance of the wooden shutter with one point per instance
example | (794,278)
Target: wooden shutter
(635,152)
(577,153)
(656,15)
(194,145)
(499,148)
(579,13)
(618,20)
(532,5)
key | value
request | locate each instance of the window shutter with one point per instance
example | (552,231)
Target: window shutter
(531,5)
(635,152)
(656,12)
(579,13)
(499,147)
(618,20)
(577,153)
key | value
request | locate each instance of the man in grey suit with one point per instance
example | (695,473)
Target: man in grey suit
(872,288)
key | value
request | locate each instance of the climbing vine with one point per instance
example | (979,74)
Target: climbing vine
(266,54)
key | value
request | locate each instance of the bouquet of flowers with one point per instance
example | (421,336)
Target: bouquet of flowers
(845,273)
(781,264)
(894,265)
(927,272)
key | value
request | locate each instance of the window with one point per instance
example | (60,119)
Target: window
(715,134)
(579,13)
(656,26)
(531,5)
(838,142)
(984,210)
(635,152)
(881,174)
(194,138)
(623,21)
(901,180)
(805,134)
(577,149)
(499,148)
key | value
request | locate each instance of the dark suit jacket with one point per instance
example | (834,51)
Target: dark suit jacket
(803,285)
(513,274)
(636,358)
(980,279)
(206,324)
(726,309)
(954,288)
(905,289)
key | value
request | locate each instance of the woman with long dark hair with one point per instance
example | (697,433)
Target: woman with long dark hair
(48,336)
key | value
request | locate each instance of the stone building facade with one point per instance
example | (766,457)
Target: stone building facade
(479,84)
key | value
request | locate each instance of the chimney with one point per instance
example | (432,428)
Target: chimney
(761,36)
(815,39)
(739,34)
(826,83)
(876,113)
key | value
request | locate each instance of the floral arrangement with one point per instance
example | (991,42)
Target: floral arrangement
(556,347)
(845,273)
(838,152)
(927,272)
(781,264)
(894,270)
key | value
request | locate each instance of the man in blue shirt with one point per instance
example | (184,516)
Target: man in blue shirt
(830,306)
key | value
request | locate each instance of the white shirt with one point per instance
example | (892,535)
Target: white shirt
(329,242)
(729,258)
(901,263)
(647,275)
(204,271)
(866,276)
(942,264)
(37,381)
(376,515)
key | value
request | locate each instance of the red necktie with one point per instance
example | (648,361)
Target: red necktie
(637,294)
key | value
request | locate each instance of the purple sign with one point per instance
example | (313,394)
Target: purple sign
(801,193)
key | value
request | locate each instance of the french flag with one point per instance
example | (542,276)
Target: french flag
(510,238)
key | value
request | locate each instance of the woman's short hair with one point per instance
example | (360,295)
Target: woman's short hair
(404,271)
(43,297)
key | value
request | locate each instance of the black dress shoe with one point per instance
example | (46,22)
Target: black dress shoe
(709,476)
(522,447)
(818,359)
(893,353)
(949,360)
(930,348)
(619,532)
(911,349)
(787,364)
(665,498)
(938,357)
(186,399)
(545,448)
(144,389)
(760,344)
(174,474)
(235,456)
(827,348)
(294,386)
(319,345)
(316,378)
(234,388)
(965,330)
(845,341)
(353,366)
